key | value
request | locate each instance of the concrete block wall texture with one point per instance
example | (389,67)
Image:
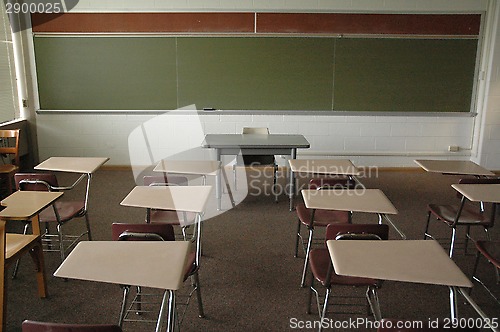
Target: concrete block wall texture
(389,141)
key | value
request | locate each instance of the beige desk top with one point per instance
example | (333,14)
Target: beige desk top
(26,204)
(72,164)
(196,167)
(324,166)
(463,167)
(356,200)
(417,261)
(180,198)
(479,192)
(156,264)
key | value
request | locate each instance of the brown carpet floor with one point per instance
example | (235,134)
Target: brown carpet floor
(250,279)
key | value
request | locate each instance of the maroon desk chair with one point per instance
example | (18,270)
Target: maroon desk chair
(316,218)
(323,272)
(33,326)
(154,232)
(462,214)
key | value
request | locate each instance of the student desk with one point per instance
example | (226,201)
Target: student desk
(417,261)
(124,263)
(82,165)
(179,198)
(253,144)
(322,167)
(189,167)
(457,167)
(488,193)
(479,192)
(354,200)
(24,205)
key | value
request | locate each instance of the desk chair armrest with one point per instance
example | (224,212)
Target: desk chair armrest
(73,185)
(358,236)
(139,236)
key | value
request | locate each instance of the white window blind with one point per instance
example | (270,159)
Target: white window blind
(9,108)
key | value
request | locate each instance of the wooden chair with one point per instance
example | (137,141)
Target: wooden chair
(32,326)
(13,246)
(9,147)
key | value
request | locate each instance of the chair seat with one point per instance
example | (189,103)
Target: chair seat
(171,217)
(322,218)
(16,242)
(448,213)
(9,168)
(490,250)
(319,261)
(66,210)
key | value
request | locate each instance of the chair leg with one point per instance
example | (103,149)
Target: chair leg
(275,183)
(325,307)
(474,270)
(306,259)
(126,290)
(372,297)
(467,236)
(61,242)
(426,232)
(234,177)
(36,254)
(311,287)
(452,242)
(87,223)
(139,300)
(297,238)
(196,278)
(16,267)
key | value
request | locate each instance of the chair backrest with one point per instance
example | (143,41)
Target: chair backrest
(257,159)
(161,180)
(142,232)
(357,231)
(33,326)
(35,181)
(10,144)
(332,183)
(256,130)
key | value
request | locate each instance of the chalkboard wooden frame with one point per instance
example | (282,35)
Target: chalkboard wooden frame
(281,65)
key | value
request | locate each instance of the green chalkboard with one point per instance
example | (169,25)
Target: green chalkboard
(255,73)
(409,75)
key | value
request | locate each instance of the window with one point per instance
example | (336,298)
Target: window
(9,108)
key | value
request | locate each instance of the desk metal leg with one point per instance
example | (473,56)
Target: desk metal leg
(453,304)
(168,301)
(465,294)
(292,180)
(380,216)
(218,191)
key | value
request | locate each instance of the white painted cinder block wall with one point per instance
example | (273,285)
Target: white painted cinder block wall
(389,141)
